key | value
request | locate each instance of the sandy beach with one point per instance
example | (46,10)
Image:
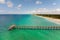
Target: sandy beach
(57,21)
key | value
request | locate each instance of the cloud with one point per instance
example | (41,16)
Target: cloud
(57,9)
(2,1)
(39,10)
(13,12)
(53,3)
(9,4)
(31,12)
(44,11)
(38,2)
(9,12)
(19,6)
(2,10)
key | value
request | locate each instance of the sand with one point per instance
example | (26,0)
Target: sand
(57,21)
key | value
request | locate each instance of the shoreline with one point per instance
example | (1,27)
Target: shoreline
(57,21)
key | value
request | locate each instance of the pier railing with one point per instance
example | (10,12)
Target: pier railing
(39,27)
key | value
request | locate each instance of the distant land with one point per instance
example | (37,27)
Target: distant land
(50,15)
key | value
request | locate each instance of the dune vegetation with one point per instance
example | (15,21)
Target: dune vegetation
(50,15)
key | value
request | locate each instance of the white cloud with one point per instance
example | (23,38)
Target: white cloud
(44,11)
(38,2)
(2,10)
(13,12)
(31,12)
(57,9)
(2,1)
(9,4)
(39,10)
(19,6)
(9,12)
(54,4)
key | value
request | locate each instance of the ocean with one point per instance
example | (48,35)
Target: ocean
(6,20)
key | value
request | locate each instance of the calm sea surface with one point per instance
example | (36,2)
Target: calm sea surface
(26,20)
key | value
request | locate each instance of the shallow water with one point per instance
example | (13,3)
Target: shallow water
(26,20)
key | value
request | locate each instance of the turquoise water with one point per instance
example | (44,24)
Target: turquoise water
(26,20)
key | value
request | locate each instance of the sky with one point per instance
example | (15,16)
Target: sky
(29,6)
